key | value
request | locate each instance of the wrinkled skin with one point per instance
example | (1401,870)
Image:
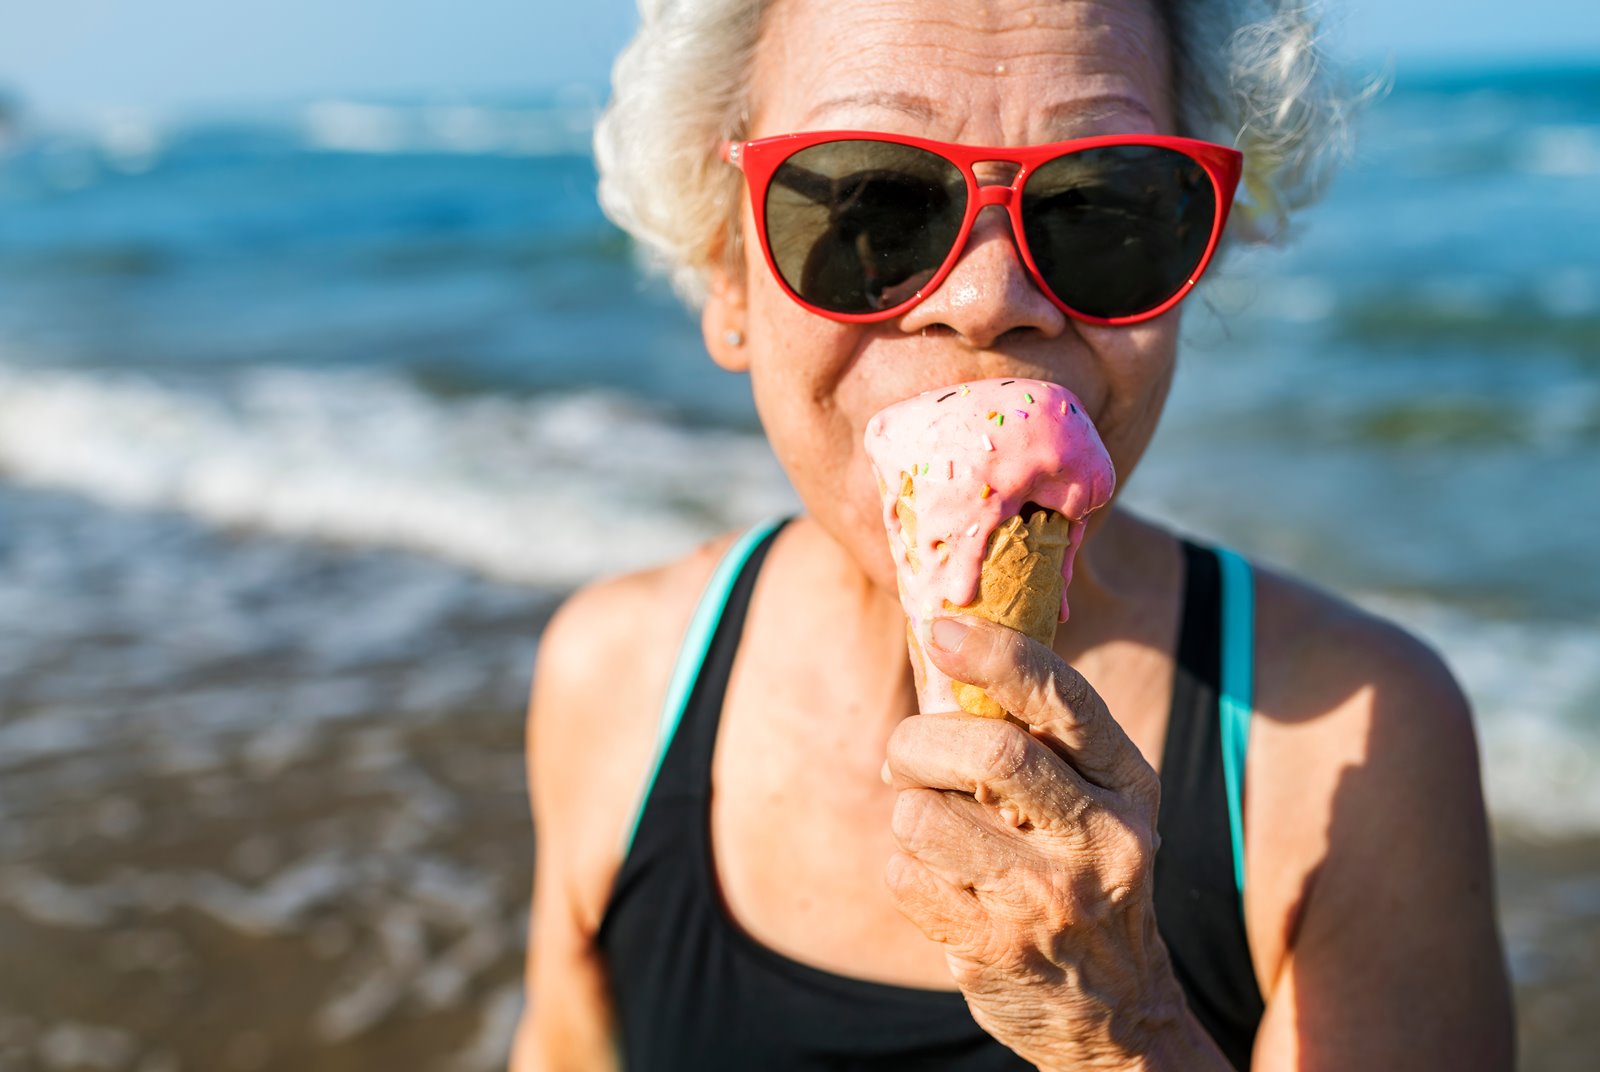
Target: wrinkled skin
(1026,855)
(817,381)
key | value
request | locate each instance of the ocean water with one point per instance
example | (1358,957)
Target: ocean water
(308,417)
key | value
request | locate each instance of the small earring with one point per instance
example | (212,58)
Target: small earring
(733,337)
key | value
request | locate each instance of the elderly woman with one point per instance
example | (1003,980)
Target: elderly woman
(753,852)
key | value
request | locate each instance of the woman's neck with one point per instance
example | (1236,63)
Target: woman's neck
(1117,571)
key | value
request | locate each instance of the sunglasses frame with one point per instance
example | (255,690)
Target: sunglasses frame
(760,158)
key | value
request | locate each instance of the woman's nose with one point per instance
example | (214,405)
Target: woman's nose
(989,291)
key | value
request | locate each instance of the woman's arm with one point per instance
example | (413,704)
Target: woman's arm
(1395,960)
(1028,855)
(602,670)
(566,1021)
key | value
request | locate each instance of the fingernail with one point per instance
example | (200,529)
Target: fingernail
(888,779)
(948,634)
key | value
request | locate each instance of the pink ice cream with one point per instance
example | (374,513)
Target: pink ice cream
(1022,440)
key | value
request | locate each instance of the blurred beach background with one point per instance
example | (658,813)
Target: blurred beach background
(323,378)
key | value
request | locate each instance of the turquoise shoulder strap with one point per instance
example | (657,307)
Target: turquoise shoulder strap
(1238,675)
(692,655)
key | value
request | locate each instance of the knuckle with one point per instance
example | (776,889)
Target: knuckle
(899,874)
(1132,858)
(1123,895)
(1005,754)
(1152,800)
(1121,877)
(1144,784)
(1071,690)
(997,947)
(900,742)
(911,807)
(1077,807)
(1008,958)
(969,970)
(1063,899)
(1038,665)
(1016,650)
(1128,894)
(1040,698)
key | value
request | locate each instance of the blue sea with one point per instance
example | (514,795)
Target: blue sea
(309,414)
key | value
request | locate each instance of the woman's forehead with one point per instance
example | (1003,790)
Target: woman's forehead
(1010,71)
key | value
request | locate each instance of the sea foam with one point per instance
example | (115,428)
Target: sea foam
(552,490)
(548,489)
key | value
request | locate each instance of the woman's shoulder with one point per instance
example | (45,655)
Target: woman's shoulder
(1320,654)
(1317,653)
(599,680)
(607,652)
(1351,708)
(1361,740)
(639,615)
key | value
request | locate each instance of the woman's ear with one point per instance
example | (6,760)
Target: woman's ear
(723,320)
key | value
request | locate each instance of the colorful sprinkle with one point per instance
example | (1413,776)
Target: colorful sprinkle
(989,416)
(1074,409)
(1063,408)
(973,531)
(965,390)
(1007,383)
(952,395)
(1021,413)
(924,468)
(1027,396)
(999,419)
(987,443)
(986,492)
(950,473)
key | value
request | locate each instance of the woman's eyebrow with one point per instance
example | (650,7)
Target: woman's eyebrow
(1075,110)
(1096,106)
(912,104)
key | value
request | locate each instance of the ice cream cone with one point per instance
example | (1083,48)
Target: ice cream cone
(1019,586)
(985,487)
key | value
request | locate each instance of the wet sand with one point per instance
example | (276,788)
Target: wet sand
(362,905)
(363,908)
(1550,918)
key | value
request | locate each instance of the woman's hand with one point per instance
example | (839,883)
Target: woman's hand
(1028,855)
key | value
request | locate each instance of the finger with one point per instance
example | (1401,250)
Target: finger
(1035,684)
(961,840)
(998,764)
(941,910)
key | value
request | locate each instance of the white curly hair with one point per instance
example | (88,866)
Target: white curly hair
(1247,73)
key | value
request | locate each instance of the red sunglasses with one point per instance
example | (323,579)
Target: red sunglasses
(860,226)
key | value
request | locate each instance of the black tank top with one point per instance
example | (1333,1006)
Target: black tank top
(692,990)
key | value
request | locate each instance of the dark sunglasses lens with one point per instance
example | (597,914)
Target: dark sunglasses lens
(860,226)
(1116,231)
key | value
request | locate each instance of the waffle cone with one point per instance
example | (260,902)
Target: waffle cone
(1019,585)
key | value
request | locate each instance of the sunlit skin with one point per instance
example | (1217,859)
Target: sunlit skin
(944,851)
(1102,69)
(1024,74)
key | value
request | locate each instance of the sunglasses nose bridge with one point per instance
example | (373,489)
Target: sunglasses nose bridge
(997,194)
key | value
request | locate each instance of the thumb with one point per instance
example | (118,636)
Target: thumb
(1032,682)
(1006,664)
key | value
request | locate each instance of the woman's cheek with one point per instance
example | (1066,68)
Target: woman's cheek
(1138,366)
